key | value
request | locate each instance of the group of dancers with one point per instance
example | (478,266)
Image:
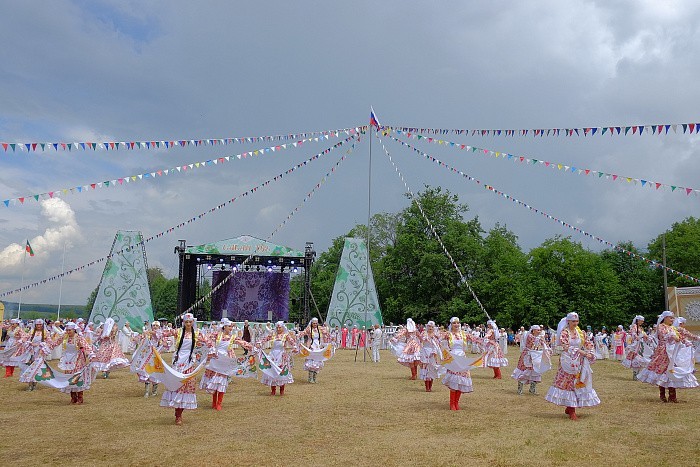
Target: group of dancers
(196,351)
(664,357)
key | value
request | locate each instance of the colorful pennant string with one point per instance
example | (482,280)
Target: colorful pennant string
(650,184)
(415,199)
(190,220)
(159,144)
(614,130)
(652,263)
(122,181)
(202,299)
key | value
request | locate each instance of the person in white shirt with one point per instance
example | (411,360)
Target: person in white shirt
(376,342)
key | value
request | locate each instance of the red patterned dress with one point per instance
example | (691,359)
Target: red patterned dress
(572,385)
(657,372)
(524,371)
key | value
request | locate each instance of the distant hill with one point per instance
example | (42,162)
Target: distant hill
(34,310)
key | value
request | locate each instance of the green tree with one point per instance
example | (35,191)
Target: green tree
(91,301)
(566,277)
(682,252)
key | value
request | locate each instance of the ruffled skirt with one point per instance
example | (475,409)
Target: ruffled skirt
(582,397)
(214,382)
(458,381)
(688,381)
(527,375)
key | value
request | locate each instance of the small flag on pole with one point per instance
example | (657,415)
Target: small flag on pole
(373,118)
(28,249)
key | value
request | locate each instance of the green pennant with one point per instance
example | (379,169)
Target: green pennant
(94,146)
(12,145)
(106,183)
(36,197)
(673,188)
(43,145)
(627,129)
(600,174)
(604,130)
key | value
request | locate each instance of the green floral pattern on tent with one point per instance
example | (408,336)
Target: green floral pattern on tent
(350,293)
(244,245)
(123,294)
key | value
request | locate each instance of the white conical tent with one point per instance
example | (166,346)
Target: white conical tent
(354,300)
(123,294)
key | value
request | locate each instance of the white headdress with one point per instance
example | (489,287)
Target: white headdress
(573,316)
(430,324)
(535,327)
(107,327)
(71,325)
(39,321)
(225,322)
(279,324)
(663,315)
(492,324)
(14,321)
(678,321)
(410,325)
(454,319)
(155,323)
(188,317)
(637,319)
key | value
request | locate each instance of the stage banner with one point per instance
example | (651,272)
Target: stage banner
(354,300)
(123,293)
(250,295)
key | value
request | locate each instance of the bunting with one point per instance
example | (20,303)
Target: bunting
(148,176)
(192,219)
(651,263)
(559,167)
(613,130)
(161,144)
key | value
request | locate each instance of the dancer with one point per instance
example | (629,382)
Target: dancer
(283,344)
(634,358)
(344,337)
(155,338)
(189,348)
(109,353)
(530,369)
(218,371)
(429,355)
(671,365)
(494,355)
(459,382)
(619,340)
(572,387)
(406,346)
(14,338)
(376,342)
(318,337)
(75,359)
(32,351)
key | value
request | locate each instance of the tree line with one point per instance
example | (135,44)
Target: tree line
(414,277)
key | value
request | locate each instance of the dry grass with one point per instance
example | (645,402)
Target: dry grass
(357,414)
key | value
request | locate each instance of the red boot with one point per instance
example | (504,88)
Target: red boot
(73,397)
(458,394)
(662,394)
(178,417)
(427,385)
(214,398)
(498,372)
(452,399)
(430,385)
(282,390)
(672,395)
(273,390)
(572,414)
(12,370)
(414,371)
(80,397)
(567,411)
(8,371)
(219,401)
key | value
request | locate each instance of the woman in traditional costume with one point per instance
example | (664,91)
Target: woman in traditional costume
(155,338)
(75,358)
(217,376)
(32,351)
(572,387)
(634,358)
(429,355)
(671,365)
(534,345)
(109,355)
(318,337)
(189,346)
(14,338)
(619,340)
(407,347)
(455,340)
(283,343)
(494,355)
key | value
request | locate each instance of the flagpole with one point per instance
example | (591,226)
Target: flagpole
(21,287)
(60,288)
(369,214)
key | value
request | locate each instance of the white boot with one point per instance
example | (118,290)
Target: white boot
(147,393)
(155,389)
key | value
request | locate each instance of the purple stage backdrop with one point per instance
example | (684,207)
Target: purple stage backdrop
(249,295)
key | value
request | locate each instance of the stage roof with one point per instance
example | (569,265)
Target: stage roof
(244,245)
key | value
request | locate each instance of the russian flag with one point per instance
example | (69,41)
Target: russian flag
(373,118)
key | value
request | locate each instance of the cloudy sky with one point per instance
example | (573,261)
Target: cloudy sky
(141,70)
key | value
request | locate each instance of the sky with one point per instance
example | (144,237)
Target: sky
(146,71)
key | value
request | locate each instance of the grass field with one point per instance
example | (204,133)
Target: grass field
(357,414)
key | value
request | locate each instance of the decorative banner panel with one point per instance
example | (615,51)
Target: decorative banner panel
(123,294)
(353,302)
